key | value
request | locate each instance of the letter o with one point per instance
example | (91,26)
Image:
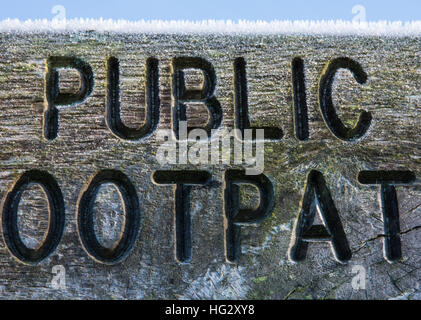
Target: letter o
(56,217)
(85,217)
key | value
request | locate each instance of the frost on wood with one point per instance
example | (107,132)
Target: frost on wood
(388,53)
(329,27)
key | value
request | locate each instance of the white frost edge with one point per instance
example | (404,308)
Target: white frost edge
(330,27)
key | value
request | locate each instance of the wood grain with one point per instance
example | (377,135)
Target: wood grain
(85,145)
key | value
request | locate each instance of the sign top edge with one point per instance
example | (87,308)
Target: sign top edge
(218,27)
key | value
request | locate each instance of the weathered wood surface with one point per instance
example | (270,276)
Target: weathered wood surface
(85,146)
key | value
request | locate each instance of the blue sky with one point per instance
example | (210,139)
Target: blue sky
(405,10)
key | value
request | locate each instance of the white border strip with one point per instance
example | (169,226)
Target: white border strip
(331,27)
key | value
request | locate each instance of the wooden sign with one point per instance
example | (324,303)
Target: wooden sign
(165,166)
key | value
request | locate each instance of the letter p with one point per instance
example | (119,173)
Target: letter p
(55,98)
